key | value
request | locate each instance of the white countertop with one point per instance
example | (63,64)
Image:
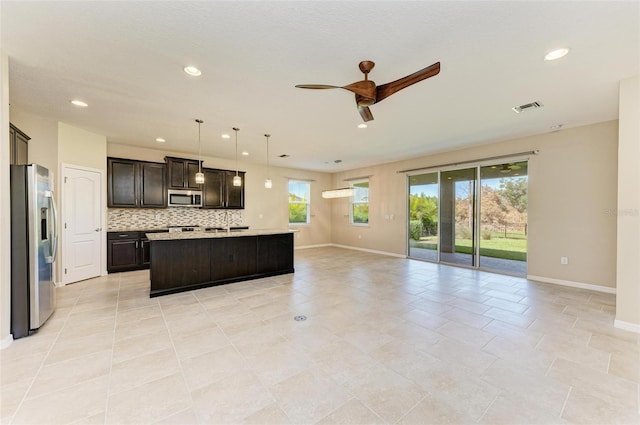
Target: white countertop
(219,234)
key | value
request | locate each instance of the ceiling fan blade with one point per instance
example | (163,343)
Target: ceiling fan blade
(386,90)
(364,88)
(316,86)
(365,113)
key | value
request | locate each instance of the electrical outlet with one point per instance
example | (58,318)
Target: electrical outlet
(564,260)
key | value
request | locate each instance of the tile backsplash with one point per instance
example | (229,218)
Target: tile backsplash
(119,219)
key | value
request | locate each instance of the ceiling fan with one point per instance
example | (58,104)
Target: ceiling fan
(507,168)
(366,91)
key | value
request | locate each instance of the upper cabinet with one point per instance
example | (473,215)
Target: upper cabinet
(18,146)
(181,173)
(235,194)
(218,189)
(136,184)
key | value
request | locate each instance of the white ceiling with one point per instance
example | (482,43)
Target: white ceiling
(125,59)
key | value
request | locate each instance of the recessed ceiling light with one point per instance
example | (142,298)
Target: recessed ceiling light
(245,153)
(225,136)
(79,103)
(363,125)
(192,70)
(556,54)
(160,140)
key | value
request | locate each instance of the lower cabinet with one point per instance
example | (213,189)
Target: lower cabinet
(232,257)
(128,251)
(185,264)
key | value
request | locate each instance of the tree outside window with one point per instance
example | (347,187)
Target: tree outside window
(299,202)
(360,202)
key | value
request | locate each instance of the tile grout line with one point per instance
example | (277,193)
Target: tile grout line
(175,351)
(566,400)
(487,409)
(410,410)
(113,345)
(24,397)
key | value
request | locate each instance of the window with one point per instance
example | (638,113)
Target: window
(299,202)
(360,202)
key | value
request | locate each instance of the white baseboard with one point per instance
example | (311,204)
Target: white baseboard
(627,326)
(323,245)
(573,284)
(6,342)
(373,251)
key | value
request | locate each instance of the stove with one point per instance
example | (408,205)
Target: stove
(173,229)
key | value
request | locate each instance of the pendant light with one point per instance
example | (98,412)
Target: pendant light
(343,192)
(199,174)
(268,183)
(237,180)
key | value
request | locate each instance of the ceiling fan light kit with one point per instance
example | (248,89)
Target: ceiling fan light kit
(366,91)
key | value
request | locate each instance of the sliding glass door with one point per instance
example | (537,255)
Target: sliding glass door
(457,216)
(503,217)
(423,216)
(474,217)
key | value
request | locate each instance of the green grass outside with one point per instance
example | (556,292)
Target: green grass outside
(508,249)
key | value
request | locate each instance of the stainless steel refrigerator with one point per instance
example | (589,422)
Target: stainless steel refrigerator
(34,241)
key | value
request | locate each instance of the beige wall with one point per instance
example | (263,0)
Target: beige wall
(628,208)
(264,208)
(43,145)
(5,210)
(81,147)
(571,189)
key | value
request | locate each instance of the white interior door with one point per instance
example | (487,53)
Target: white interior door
(81,223)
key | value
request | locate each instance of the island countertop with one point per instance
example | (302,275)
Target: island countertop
(215,234)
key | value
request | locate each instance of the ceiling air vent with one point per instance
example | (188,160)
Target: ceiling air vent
(522,108)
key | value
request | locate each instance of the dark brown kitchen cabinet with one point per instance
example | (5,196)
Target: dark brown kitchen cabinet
(181,173)
(18,146)
(128,251)
(185,264)
(232,257)
(135,184)
(234,194)
(219,191)
(122,251)
(271,250)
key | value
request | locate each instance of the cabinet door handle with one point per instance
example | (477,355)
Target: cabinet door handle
(123,236)
(136,244)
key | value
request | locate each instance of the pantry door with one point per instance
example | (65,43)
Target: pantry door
(82,233)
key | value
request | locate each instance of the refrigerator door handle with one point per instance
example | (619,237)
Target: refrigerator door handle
(54,210)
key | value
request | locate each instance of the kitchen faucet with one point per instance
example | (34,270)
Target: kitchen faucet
(226,215)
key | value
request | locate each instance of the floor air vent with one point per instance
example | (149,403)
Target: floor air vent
(525,107)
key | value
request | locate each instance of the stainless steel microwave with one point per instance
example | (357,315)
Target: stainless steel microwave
(184,198)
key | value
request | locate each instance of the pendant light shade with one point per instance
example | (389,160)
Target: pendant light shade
(343,192)
(199,174)
(268,183)
(237,180)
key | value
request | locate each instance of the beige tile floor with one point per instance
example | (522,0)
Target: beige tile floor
(387,340)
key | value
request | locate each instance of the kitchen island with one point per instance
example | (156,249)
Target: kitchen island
(184,261)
